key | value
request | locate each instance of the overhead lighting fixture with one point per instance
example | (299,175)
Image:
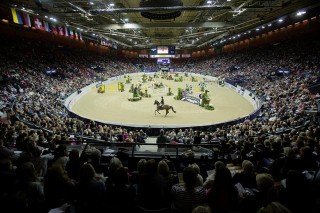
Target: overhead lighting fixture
(111,5)
(280,20)
(300,13)
(238,12)
(269,25)
(53,19)
(209,2)
(92,3)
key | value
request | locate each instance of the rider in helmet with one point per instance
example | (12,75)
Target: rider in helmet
(161,102)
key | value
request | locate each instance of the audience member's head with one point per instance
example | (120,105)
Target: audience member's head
(189,176)
(264,181)
(201,209)
(248,167)
(163,168)
(114,164)
(275,207)
(86,173)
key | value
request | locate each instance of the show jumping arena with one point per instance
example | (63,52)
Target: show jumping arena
(113,106)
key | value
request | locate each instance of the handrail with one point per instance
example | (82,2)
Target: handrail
(208,146)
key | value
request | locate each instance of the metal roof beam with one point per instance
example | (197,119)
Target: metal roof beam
(162,9)
(162,25)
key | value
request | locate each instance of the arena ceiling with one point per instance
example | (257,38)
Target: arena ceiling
(184,23)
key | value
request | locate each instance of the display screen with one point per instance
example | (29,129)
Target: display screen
(163,50)
(163,61)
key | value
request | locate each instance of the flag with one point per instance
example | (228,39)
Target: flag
(76,34)
(46,26)
(60,28)
(26,19)
(55,30)
(71,34)
(66,31)
(16,16)
(38,23)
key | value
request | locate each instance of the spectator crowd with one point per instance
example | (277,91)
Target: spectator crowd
(278,152)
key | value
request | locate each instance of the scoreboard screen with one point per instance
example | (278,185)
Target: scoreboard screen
(162,51)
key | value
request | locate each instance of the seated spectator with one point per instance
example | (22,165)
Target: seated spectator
(114,164)
(267,192)
(201,209)
(141,167)
(29,187)
(121,195)
(8,178)
(307,160)
(186,196)
(296,194)
(199,177)
(151,191)
(58,187)
(74,164)
(90,191)
(60,156)
(275,207)
(222,196)
(94,159)
(170,177)
(210,179)
(247,178)
(4,151)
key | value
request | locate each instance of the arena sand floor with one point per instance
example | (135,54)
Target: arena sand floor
(113,106)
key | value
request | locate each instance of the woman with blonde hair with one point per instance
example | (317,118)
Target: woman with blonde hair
(199,177)
(170,177)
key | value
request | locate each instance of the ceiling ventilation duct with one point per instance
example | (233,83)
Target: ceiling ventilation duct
(161,14)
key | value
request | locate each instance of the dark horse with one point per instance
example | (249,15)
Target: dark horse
(164,107)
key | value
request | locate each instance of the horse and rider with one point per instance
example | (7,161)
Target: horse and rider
(162,106)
